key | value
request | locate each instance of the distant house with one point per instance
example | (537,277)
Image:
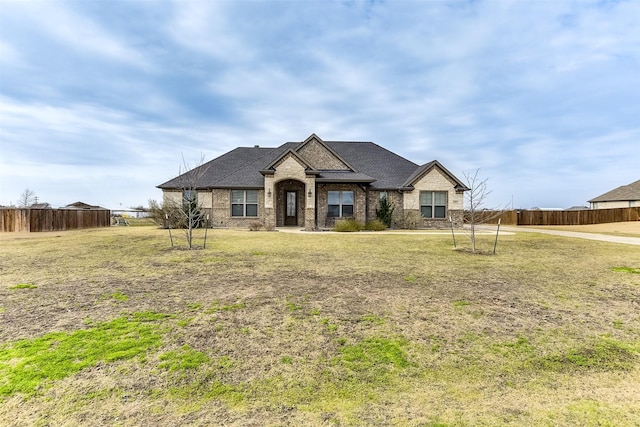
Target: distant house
(577,208)
(82,205)
(312,183)
(622,197)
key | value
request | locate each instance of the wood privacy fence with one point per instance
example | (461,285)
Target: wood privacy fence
(21,220)
(577,217)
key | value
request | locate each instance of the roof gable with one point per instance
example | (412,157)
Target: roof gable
(621,194)
(290,153)
(320,155)
(420,172)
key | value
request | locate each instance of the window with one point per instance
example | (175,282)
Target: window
(244,202)
(340,204)
(383,195)
(189,196)
(433,204)
(189,200)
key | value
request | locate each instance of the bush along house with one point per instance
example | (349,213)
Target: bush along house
(313,183)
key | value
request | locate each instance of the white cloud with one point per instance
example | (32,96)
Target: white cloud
(59,21)
(533,93)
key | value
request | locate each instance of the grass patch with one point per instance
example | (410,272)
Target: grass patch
(378,352)
(631,270)
(119,296)
(219,307)
(184,359)
(27,365)
(604,354)
(461,303)
(24,286)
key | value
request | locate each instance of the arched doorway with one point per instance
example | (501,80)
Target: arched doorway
(290,203)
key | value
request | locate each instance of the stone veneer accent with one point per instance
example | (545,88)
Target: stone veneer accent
(435,180)
(290,174)
(320,158)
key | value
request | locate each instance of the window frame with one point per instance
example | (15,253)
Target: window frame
(245,204)
(340,206)
(432,209)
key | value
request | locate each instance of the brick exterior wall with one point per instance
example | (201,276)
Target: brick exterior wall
(395,197)
(221,211)
(359,208)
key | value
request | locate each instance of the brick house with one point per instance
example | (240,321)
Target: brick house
(312,183)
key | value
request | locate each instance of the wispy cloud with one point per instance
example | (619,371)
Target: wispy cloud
(532,93)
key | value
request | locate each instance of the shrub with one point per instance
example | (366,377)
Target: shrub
(375,225)
(347,225)
(385,211)
(255,226)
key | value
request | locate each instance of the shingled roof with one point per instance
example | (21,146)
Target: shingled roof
(370,164)
(621,194)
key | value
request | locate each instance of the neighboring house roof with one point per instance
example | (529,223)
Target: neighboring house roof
(358,162)
(577,208)
(621,194)
(82,205)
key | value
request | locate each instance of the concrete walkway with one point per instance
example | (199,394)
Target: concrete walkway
(578,235)
(491,229)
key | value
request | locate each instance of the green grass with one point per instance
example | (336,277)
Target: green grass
(317,329)
(184,359)
(631,270)
(602,354)
(118,296)
(26,365)
(24,286)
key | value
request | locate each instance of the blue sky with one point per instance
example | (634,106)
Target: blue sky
(100,100)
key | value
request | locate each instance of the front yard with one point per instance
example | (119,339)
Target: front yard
(112,327)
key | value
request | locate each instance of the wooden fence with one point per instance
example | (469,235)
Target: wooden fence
(577,217)
(25,220)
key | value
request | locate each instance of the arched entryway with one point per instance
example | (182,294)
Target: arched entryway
(290,203)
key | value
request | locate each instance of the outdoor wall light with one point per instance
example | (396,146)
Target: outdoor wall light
(269,193)
(309,194)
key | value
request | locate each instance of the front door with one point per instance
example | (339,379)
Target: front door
(291,208)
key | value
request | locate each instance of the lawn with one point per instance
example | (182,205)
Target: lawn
(113,327)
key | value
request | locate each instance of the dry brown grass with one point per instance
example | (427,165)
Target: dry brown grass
(544,333)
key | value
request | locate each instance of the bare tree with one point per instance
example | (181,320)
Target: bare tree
(475,199)
(188,212)
(27,198)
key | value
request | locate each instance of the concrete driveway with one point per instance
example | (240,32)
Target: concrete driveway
(578,235)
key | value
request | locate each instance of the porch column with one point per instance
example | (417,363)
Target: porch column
(310,204)
(269,202)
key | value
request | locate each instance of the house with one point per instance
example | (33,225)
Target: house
(82,205)
(313,183)
(626,196)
